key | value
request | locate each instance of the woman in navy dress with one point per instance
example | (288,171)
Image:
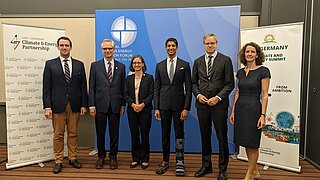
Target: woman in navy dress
(250,104)
(139,96)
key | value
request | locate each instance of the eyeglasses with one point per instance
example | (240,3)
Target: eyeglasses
(137,63)
(210,43)
(107,49)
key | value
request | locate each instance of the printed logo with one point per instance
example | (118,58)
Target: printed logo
(15,42)
(124,30)
(269,38)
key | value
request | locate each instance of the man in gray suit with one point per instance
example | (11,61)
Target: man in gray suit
(106,101)
(172,101)
(212,82)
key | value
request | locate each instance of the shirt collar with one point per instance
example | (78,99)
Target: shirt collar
(174,59)
(106,62)
(213,55)
(62,58)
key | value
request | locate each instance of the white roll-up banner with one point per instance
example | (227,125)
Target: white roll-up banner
(280,138)
(29,133)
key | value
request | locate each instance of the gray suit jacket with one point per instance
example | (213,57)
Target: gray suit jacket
(220,83)
(101,92)
(176,95)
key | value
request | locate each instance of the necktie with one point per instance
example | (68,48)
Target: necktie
(171,70)
(109,72)
(66,71)
(209,65)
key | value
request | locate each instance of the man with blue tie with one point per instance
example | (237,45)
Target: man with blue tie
(172,101)
(106,101)
(65,98)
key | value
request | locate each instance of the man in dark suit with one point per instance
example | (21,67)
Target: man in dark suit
(106,101)
(172,100)
(65,98)
(212,82)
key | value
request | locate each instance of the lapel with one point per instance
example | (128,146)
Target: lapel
(59,68)
(215,64)
(103,69)
(74,69)
(203,65)
(165,69)
(178,65)
(141,83)
(115,70)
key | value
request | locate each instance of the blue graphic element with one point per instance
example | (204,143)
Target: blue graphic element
(285,119)
(144,32)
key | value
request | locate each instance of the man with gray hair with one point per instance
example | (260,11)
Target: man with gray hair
(106,102)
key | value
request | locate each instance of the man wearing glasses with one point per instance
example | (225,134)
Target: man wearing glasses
(106,102)
(212,82)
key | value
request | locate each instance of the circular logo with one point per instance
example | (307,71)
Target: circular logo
(124,30)
(285,119)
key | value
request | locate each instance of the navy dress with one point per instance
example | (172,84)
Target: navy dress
(248,107)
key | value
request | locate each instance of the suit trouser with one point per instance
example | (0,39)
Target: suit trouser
(101,121)
(59,123)
(219,119)
(140,124)
(166,117)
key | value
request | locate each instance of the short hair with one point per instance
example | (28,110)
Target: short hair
(173,40)
(108,40)
(210,35)
(64,38)
(259,60)
(144,68)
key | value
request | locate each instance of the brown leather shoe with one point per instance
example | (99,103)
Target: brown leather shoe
(162,167)
(75,163)
(113,164)
(99,163)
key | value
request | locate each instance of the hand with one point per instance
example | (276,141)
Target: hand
(213,101)
(48,113)
(157,115)
(184,115)
(93,112)
(261,122)
(83,110)
(232,118)
(122,110)
(140,107)
(202,99)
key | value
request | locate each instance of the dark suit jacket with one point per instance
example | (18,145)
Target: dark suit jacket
(220,83)
(57,92)
(176,95)
(145,92)
(101,92)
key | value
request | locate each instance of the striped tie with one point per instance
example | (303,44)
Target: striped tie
(66,71)
(109,72)
(209,65)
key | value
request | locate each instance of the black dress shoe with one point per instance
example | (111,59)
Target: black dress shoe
(75,163)
(162,167)
(113,164)
(57,168)
(100,163)
(222,175)
(203,171)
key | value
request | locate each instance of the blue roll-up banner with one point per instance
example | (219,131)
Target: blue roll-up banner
(145,31)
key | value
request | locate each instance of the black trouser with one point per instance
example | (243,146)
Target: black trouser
(166,118)
(101,121)
(219,118)
(140,124)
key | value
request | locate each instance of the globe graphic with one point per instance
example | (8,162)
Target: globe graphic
(285,119)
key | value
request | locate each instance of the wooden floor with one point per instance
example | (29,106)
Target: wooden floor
(236,169)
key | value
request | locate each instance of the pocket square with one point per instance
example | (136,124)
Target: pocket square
(182,68)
